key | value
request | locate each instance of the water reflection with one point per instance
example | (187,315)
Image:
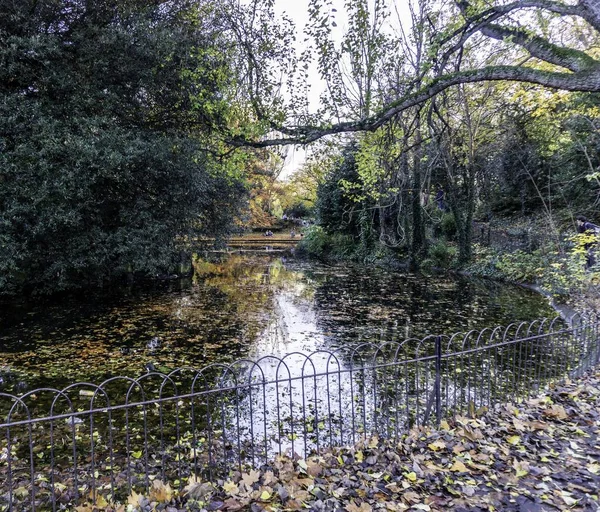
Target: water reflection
(286,356)
(246,307)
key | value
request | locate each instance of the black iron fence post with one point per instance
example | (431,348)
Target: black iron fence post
(438,379)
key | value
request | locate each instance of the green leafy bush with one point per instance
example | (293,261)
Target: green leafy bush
(448,226)
(442,255)
(316,242)
(342,246)
(520,266)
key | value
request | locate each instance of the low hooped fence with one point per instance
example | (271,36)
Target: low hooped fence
(98,443)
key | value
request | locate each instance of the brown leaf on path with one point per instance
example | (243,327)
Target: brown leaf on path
(411,497)
(458,449)
(160,492)
(269,478)
(536,425)
(133,499)
(250,478)
(364,507)
(313,468)
(556,411)
(459,467)
(233,504)
(85,508)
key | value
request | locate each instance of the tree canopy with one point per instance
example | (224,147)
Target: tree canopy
(544,42)
(130,126)
(108,120)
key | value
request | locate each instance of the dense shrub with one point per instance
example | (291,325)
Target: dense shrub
(442,255)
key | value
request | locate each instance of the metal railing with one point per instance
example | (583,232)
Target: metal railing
(90,443)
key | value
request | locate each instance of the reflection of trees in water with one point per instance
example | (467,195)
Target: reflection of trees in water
(377,306)
(218,319)
(224,316)
(299,403)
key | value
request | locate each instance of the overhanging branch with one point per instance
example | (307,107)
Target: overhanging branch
(584,81)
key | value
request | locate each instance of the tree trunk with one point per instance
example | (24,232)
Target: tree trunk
(418,228)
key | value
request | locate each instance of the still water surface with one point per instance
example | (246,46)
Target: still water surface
(252,307)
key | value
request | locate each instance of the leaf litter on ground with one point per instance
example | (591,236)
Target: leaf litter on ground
(540,455)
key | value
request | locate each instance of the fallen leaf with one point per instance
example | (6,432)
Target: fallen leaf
(250,478)
(514,440)
(437,445)
(231,488)
(161,492)
(459,467)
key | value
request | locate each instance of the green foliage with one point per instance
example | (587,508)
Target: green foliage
(556,273)
(334,208)
(442,255)
(520,266)
(299,209)
(448,226)
(342,246)
(100,171)
(316,243)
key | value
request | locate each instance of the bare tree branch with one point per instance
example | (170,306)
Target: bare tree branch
(584,81)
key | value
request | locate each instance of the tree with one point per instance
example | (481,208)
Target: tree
(108,120)
(537,56)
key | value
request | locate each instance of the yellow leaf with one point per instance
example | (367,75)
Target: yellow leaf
(265,496)
(21,492)
(358,456)
(459,467)
(85,508)
(521,468)
(161,492)
(101,502)
(230,488)
(134,499)
(412,476)
(437,445)
(594,469)
(514,440)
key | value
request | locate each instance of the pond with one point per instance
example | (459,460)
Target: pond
(246,307)
(201,394)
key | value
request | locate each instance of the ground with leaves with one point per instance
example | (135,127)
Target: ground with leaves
(540,455)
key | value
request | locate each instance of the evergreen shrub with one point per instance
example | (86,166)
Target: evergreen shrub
(442,255)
